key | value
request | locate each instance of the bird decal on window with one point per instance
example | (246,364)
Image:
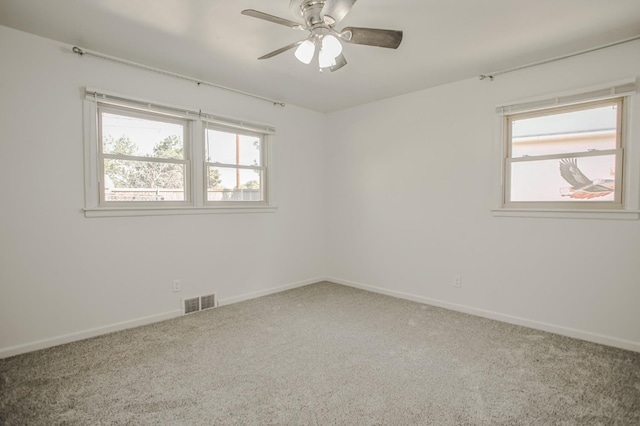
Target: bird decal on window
(581,186)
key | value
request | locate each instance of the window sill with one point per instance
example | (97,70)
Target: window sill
(171,211)
(569,214)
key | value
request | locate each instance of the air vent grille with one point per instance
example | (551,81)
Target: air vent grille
(191,305)
(207,302)
(199,303)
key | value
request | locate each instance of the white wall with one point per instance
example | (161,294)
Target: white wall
(410,192)
(404,193)
(64,276)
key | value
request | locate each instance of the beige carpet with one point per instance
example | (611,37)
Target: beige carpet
(320,355)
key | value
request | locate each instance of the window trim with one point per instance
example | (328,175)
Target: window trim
(629,207)
(195,200)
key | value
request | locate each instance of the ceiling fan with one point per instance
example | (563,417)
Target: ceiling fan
(320,18)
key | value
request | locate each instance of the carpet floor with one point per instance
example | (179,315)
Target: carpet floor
(323,354)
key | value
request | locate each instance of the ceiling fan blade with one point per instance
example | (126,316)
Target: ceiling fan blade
(337,9)
(341,61)
(281,50)
(390,39)
(271,18)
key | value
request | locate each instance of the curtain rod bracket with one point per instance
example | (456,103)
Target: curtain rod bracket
(77,50)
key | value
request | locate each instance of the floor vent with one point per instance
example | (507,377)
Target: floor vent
(207,302)
(200,303)
(191,305)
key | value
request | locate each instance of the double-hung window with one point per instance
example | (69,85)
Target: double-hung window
(234,165)
(145,159)
(566,154)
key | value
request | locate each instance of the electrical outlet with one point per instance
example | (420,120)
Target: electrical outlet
(176,285)
(457,281)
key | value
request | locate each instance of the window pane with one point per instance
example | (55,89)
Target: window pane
(140,137)
(232,148)
(232,184)
(567,179)
(576,131)
(127,180)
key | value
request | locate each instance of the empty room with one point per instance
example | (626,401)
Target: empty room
(320,212)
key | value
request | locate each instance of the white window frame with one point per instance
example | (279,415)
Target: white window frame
(618,151)
(186,162)
(195,181)
(262,168)
(627,197)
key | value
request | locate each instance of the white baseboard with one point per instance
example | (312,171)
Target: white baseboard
(564,331)
(551,328)
(85,334)
(93,332)
(273,290)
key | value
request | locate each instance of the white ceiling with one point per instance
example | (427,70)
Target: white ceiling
(444,40)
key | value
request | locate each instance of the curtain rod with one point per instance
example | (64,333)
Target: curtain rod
(559,58)
(82,52)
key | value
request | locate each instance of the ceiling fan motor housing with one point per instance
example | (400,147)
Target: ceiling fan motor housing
(310,10)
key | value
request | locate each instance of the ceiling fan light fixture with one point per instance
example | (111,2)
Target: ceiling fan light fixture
(331,45)
(326,59)
(324,39)
(304,52)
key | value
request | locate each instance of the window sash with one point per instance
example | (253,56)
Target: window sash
(154,116)
(616,203)
(151,116)
(508,160)
(509,119)
(186,190)
(263,193)
(262,168)
(236,131)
